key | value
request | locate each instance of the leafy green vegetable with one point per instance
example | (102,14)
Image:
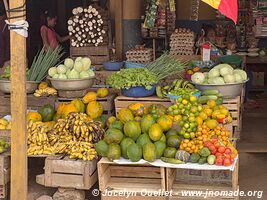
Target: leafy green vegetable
(133,77)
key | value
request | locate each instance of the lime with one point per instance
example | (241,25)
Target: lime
(170,109)
(186,112)
(188,106)
(176,112)
(194,129)
(185,118)
(180,99)
(181,123)
(187,97)
(200,108)
(192,125)
(192,135)
(182,132)
(181,106)
(175,106)
(194,109)
(186,125)
(192,119)
(197,114)
(187,136)
(189,130)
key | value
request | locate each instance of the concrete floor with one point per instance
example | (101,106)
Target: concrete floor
(252,171)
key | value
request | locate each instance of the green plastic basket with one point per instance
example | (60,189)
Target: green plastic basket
(231,60)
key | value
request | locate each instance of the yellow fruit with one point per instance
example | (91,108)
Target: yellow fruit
(69,108)
(203,115)
(155,132)
(34,116)
(212,123)
(2,127)
(60,108)
(165,122)
(8,127)
(215,114)
(177,118)
(138,109)
(50,124)
(4,122)
(111,120)
(224,111)
(79,105)
(43,85)
(102,92)
(125,115)
(211,103)
(208,111)
(221,116)
(193,98)
(199,121)
(89,97)
(94,109)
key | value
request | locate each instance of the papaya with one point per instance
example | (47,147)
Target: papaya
(125,143)
(111,120)
(160,148)
(114,152)
(34,116)
(67,109)
(146,122)
(149,152)
(102,92)
(113,136)
(94,109)
(89,97)
(143,139)
(174,141)
(138,109)
(134,152)
(47,112)
(165,122)
(171,132)
(155,132)
(117,125)
(101,148)
(125,115)
(79,105)
(132,129)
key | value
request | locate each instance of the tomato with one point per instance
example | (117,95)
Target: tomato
(218,154)
(214,152)
(217,144)
(219,161)
(227,162)
(207,144)
(232,160)
(213,140)
(228,151)
(227,156)
(221,149)
(212,148)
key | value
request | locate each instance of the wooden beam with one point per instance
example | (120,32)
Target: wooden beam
(119,28)
(19,170)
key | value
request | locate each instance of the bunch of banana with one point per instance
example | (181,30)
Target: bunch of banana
(81,150)
(49,91)
(176,84)
(5,124)
(38,142)
(60,147)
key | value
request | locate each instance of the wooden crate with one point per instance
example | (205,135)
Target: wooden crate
(124,102)
(33,103)
(98,55)
(107,103)
(131,178)
(60,171)
(179,180)
(4,175)
(235,108)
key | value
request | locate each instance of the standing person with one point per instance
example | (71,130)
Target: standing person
(4,36)
(49,36)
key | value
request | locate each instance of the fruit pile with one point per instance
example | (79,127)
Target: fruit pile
(5,124)
(211,95)
(177,88)
(3,146)
(44,90)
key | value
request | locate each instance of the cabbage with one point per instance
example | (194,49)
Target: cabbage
(218,80)
(91,73)
(84,74)
(62,76)
(238,78)
(78,66)
(68,71)
(69,63)
(214,73)
(86,63)
(210,81)
(73,74)
(52,71)
(242,73)
(229,78)
(206,74)
(198,78)
(78,59)
(220,66)
(61,69)
(55,76)
(227,69)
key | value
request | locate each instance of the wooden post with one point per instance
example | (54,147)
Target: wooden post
(119,28)
(19,170)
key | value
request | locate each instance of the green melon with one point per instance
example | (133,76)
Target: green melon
(134,152)
(143,139)
(125,143)
(132,129)
(146,122)
(113,135)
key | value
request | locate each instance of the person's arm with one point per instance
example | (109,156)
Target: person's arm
(62,39)
(44,37)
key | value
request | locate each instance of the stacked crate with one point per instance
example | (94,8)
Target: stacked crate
(140,55)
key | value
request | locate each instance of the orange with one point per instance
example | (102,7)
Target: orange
(203,115)
(199,121)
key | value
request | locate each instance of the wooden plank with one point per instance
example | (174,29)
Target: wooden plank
(252,147)
(119,28)
(19,173)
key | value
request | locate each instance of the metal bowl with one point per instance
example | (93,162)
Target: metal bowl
(5,86)
(72,84)
(228,90)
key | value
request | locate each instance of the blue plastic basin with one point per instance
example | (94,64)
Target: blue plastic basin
(113,66)
(133,65)
(139,91)
(197,94)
